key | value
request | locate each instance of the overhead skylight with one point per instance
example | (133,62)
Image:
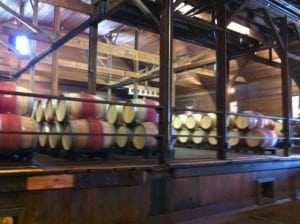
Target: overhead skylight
(22,45)
(238,28)
(183,8)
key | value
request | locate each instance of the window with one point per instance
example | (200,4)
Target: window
(295,106)
(22,45)
(233,107)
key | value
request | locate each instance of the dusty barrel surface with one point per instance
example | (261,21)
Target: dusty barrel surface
(132,114)
(250,120)
(208,121)
(234,137)
(50,109)
(88,135)
(212,137)
(73,109)
(149,129)
(124,137)
(199,136)
(193,121)
(40,110)
(184,135)
(18,141)
(114,114)
(44,136)
(264,138)
(55,138)
(179,121)
(15,104)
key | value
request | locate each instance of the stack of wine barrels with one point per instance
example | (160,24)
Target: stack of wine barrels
(136,123)
(248,129)
(75,122)
(18,129)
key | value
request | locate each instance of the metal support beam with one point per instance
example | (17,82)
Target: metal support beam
(221,79)
(268,19)
(286,87)
(236,12)
(144,9)
(110,9)
(166,70)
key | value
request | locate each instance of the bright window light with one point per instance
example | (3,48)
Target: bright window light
(238,28)
(22,45)
(184,8)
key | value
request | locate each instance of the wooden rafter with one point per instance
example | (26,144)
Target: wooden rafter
(236,12)
(71,4)
(32,27)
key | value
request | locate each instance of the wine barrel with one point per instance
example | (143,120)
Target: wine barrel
(264,138)
(50,109)
(212,137)
(193,121)
(15,104)
(230,122)
(91,135)
(125,136)
(149,141)
(73,109)
(133,114)
(114,114)
(278,126)
(208,121)
(44,138)
(199,136)
(40,110)
(18,141)
(186,136)
(250,122)
(55,140)
(179,121)
(234,137)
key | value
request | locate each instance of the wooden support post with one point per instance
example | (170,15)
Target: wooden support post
(54,53)
(221,79)
(33,45)
(286,88)
(92,68)
(136,63)
(166,70)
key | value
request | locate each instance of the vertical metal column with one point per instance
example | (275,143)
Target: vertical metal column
(92,66)
(165,69)
(221,79)
(286,88)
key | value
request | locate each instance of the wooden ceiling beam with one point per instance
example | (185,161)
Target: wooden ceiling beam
(211,73)
(236,12)
(119,51)
(144,9)
(72,5)
(111,8)
(30,26)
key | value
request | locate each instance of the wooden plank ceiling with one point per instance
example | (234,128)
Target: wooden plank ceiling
(128,43)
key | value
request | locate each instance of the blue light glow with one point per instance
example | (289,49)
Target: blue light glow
(22,45)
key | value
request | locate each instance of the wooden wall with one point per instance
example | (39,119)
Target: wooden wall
(165,196)
(263,96)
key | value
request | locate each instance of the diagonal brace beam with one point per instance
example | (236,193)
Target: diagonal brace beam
(91,21)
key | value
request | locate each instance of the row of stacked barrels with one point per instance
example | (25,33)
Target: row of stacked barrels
(84,122)
(249,128)
(18,131)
